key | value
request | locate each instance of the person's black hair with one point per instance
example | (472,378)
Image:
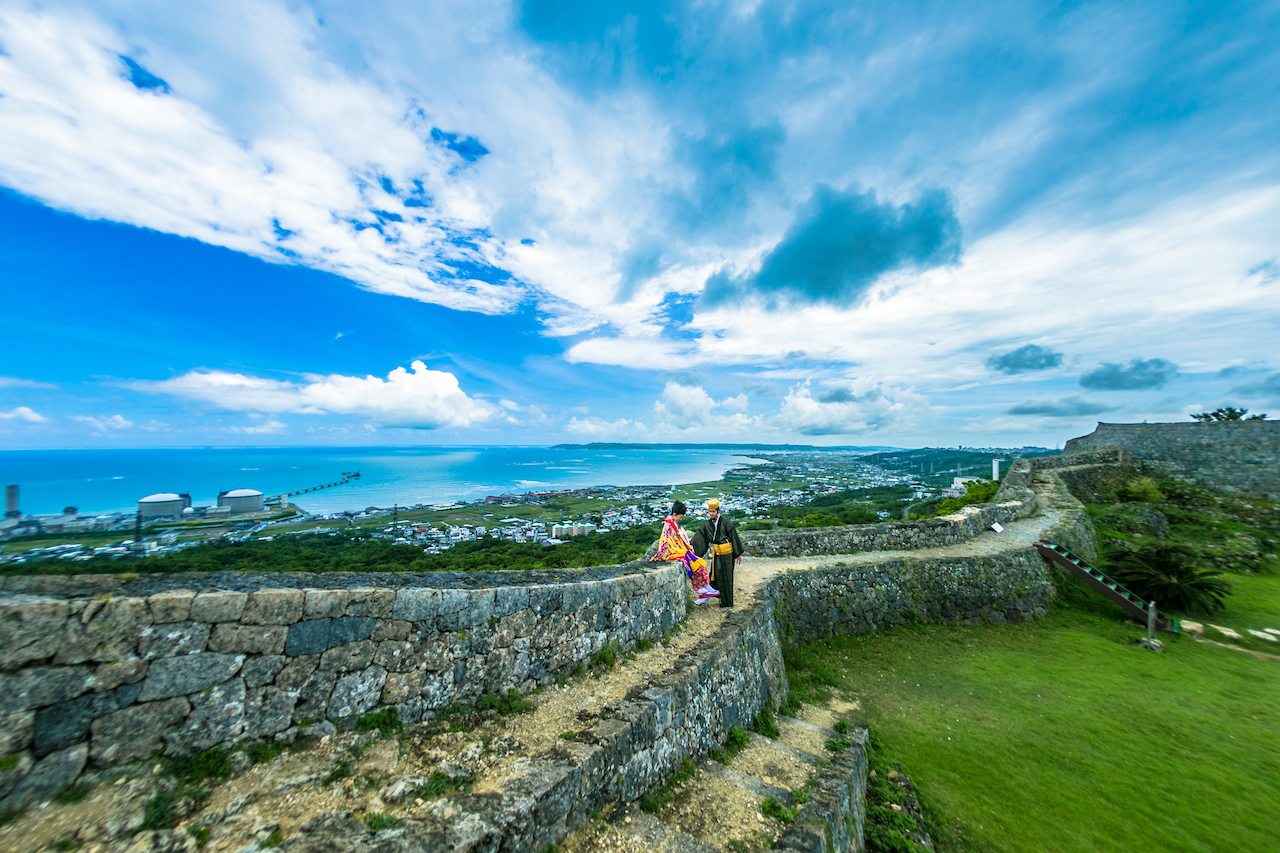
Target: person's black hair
(678,508)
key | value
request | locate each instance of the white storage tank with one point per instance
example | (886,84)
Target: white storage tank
(241,500)
(163,504)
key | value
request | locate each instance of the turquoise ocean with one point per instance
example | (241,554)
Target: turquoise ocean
(99,481)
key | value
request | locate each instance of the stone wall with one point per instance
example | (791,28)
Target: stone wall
(624,750)
(111,678)
(1241,457)
(1014,500)
(1013,586)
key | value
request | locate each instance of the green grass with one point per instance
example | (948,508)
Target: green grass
(1061,735)
(386,722)
(735,741)
(663,795)
(771,808)
(379,821)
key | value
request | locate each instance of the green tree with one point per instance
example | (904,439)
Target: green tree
(1227,413)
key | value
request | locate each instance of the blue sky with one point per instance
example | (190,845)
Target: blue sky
(403,223)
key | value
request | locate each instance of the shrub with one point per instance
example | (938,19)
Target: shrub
(607,656)
(210,764)
(765,724)
(512,703)
(274,839)
(843,727)
(1141,490)
(386,722)
(263,751)
(773,809)
(836,744)
(1164,573)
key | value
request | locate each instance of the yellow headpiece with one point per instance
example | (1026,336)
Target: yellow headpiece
(713,504)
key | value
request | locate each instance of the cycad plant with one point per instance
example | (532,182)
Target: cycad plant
(1166,574)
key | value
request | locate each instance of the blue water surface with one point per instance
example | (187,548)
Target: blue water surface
(97,481)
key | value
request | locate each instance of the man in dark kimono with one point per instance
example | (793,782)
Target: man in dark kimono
(721,537)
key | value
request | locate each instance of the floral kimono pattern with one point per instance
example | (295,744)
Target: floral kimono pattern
(674,545)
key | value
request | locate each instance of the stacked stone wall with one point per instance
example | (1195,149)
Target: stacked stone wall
(1241,456)
(625,749)
(1015,500)
(110,678)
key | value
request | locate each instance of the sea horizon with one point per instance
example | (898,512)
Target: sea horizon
(100,481)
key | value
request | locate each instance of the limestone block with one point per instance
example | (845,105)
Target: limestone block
(308,638)
(38,686)
(411,711)
(106,630)
(296,672)
(30,631)
(217,717)
(324,603)
(172,639)
(109,676)
(395,656)
(218,606)
(59,726)
(12,775)
(188,674)
(313,697)
(509,599)
(366,601)
(437,689)
(171,606)
(349,629)
(356,693)
(268,710)
(248,639)
(273,607)
(52,774)
(15,732)
(262,670)
(392,629)
(416,605)
(348,658)
(402,686)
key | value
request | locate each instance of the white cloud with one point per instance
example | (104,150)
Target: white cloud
(600,428)
(14,382)
(75,133)
(423,399)
(23,413)
(739,403)
(103,424)
(684,406)
(847,414)
(271,426)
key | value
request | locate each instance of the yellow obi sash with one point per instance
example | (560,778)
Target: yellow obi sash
(722,549)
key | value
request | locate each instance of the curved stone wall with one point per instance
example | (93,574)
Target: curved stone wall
(1014,500)
(111,678)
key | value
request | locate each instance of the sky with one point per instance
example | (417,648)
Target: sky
(978,224)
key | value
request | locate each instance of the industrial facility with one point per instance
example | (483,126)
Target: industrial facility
(163,505)
(241,500)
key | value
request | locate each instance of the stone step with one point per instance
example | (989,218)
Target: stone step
(773,766)
(783,719)
(753,785)
(796,753)
(804,736)
(720,806)
(655,834)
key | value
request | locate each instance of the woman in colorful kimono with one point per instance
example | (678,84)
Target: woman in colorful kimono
(674,545)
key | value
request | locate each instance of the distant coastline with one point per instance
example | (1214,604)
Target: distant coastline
(604,445)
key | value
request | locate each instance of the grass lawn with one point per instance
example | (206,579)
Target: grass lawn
(1061,736)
